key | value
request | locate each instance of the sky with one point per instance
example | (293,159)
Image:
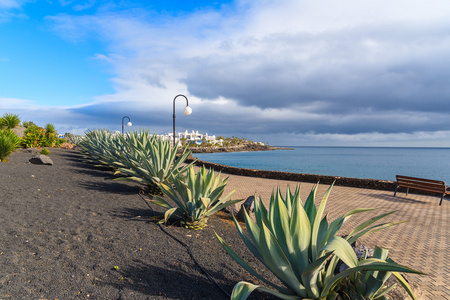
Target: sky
(283,72)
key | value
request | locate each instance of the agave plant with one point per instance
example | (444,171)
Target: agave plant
(75,139)
(149,161)
(370,284)
(101,147)
(298,245)
(196,197)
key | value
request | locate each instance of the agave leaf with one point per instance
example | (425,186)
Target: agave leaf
(368,223)
(160,202)
(301,234)
(404,284)
(261,214)
(277,261)
(131,178)
(280,224)
(373,285)
(352,239)
(316,224)
(205,202)
(220,206)
(375,266)
(310,274)
(384,291)
(168,213)
(343,250)
(381,254)
(246,266)
(332,230)
(254,232)
(310,207)
(243,289)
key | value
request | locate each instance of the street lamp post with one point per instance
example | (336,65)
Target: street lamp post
(187,112)
(128,124)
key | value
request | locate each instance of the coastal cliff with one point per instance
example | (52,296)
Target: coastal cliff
(240,148)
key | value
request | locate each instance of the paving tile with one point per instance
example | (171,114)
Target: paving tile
(422,243)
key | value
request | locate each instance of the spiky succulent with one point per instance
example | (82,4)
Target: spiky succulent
(149,160)
(9,120)
(196,197)
(75,139)
(370,284)
(301,248)
(101,147)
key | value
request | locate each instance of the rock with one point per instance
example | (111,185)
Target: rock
(360,251)
(19,131)
(249,206)
(41,160)
(31,150)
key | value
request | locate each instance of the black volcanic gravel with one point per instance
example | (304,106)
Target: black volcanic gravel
(68,231)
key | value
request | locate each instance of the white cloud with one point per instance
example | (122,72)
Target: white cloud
(9,4)
(13,103)
(342,70)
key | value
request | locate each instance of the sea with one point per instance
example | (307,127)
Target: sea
(356,162)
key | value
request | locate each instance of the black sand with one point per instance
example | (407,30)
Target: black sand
(68,231)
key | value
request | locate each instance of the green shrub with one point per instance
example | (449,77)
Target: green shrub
(7,145)
(27,124)
(44,151)
(10,120)
(14,138)
(50,135)
(196,197)
(298,245)
(34,137)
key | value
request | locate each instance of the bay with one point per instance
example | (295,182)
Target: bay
(357,162)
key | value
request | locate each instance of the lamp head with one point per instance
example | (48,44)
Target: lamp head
(187,110)
(129,124)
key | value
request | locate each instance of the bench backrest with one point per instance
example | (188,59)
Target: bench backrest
(421,183)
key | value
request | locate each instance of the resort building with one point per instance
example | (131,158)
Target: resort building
(193,137)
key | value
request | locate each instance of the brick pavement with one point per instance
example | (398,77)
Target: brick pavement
(423,243)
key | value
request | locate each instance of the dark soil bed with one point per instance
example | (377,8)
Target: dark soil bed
(68,231)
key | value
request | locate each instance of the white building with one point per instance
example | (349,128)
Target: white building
(193,137)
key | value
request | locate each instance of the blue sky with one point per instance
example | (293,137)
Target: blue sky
(286,72)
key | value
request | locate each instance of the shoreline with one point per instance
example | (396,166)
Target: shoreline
(244,148)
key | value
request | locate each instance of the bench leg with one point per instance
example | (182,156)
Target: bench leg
(407,190)
(442,198)
(395,190)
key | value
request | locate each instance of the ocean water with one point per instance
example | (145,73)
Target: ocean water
(357,162)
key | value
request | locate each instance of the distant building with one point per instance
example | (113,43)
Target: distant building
(193,137)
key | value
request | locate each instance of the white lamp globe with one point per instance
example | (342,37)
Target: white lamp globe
(187,110)
(129,124)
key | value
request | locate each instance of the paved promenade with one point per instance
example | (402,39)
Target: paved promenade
(423,243)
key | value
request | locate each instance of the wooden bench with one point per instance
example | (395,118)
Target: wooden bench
(421,184)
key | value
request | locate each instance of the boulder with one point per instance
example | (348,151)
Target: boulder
(249,206)
(41,160)
(19,131)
